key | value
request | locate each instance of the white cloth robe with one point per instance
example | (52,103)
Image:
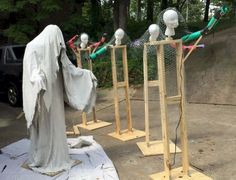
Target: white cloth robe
(44,80)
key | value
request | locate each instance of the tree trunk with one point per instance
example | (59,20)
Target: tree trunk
(95,16)
(150,4)
(206,10)
(138,10)
(234,8)
(164,4)
(128,9)
(116,14)
(120,13)
(182,5)
(123,14)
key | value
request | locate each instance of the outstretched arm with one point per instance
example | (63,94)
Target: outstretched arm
(211,24)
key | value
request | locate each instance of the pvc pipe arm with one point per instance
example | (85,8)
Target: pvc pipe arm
(98,52)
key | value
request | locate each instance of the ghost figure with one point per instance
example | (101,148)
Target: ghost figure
(119,34)
(84,40)
(154,31)
(170,18)
(47,71)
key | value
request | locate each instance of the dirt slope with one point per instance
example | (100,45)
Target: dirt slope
(211,72)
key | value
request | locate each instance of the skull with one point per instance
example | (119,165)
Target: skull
(154,31)
(119,34)
(170,18)
(84,40)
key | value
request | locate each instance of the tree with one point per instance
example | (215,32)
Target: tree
(120,13)
(164,4)
(95,16)
(193,9)
(138,10)
(25,17)
(206,11)
(150,4)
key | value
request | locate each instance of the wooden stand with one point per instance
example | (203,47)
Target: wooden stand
(128,133)
(184,172)
(95,123)
(152,147)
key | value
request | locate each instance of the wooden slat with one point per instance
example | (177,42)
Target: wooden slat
(94,115)
(173,99)
(121,84)
(191,50)
(145,87)
(79,61)
(115,91)
(163,106)
(84,118)
(76,130)
(163,42)
(118,47)
(70,132)
(127,98)
(85,49)
(183,128)
(153,83)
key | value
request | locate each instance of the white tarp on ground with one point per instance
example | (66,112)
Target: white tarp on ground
(95,165)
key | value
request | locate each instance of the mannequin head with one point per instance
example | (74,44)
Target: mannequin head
(119,34)
(170,18)
(154,31)
(84,40)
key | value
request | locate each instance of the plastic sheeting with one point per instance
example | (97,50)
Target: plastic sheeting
(95,164)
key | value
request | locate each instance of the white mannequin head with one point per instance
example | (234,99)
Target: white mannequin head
(170,18)
(154,31)
(84,40)
(119,34)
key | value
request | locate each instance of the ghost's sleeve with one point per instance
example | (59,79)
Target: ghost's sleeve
(79,85)
(37,77)
(33,82)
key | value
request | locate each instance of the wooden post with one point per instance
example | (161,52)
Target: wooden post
(181,92)
(79,64)
(129,133)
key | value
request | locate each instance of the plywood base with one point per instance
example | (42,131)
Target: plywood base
(51,174)
(70,133)
(128,135)
(91,125)
(156,148)
(176,174)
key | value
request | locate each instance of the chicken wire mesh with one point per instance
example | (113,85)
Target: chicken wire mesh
(137,48)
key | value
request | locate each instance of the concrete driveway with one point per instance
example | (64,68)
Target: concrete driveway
(211,133)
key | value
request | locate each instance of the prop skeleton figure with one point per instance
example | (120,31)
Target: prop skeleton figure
(84,40)
(154,31)
(119,34)
(170,18)
(47,72)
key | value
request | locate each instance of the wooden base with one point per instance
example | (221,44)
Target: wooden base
(176,174)
(91,125)
(74,132)
(156,148)
(128,135)
(51,174)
